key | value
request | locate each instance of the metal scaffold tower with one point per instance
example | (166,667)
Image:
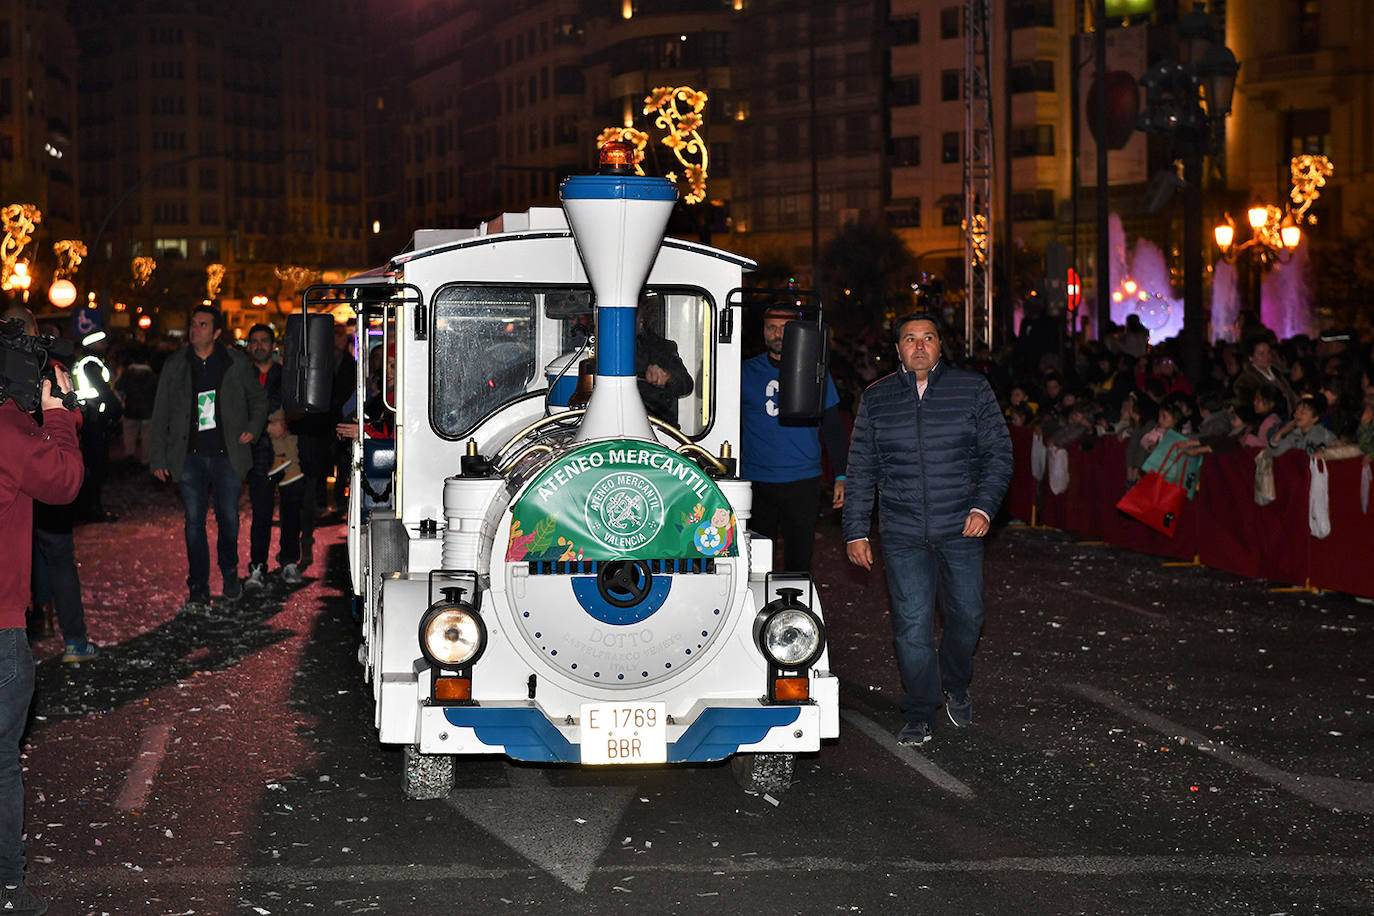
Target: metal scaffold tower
(977,175)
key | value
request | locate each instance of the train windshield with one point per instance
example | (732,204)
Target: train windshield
(494,344)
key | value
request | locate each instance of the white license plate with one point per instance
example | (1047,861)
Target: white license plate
(624,733)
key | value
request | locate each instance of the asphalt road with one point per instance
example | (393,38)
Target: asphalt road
(1147,740)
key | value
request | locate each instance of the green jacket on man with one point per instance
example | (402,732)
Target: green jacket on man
(240,406)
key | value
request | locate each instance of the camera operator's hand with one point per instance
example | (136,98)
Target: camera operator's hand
(49,400)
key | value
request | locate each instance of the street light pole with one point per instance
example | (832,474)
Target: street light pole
(1103,274)
(1194,340)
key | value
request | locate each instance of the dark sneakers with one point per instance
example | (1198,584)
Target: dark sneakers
(20,900)
(233,588)
(199,600)
(959,709)
(913,735)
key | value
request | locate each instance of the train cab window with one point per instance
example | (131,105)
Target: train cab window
(684,318)
(483,352)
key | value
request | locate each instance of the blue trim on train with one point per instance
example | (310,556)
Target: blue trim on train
(616,187)
(526,734)
(589,596)
(615,341)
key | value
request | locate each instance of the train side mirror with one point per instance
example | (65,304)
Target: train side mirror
(801,378)
(307,349)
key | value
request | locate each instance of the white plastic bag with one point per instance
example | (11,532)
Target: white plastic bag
(1059,470)
(1366,476)
(1037,457)
(1318,499)
(1265,491)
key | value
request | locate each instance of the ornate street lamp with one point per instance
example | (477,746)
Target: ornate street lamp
(1187,102)
(1274,236)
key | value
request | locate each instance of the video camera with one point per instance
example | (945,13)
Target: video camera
(25,363)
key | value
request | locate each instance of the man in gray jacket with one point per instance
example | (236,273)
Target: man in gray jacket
(933,440)
(209,409)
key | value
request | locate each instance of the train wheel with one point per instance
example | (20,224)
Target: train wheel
(759,773)
(426,776)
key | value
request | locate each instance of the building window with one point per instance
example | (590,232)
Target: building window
(1306,32)
(1309,132)
(1032,76)
(906,91)
(1026,14)
(950,18)
(904,216)
(787,77)
(951,85)
(906,31)
(906,151)
(950,143)
(1036,140)
(1027,206)
(951,210)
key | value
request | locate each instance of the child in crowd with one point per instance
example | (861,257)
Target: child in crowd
(1020,396)
(1304,431)
(1019,415)
(1268,418)
(1170,417)
(1147,412)
(286,458)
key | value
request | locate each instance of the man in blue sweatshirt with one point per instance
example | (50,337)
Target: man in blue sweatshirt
(783,458)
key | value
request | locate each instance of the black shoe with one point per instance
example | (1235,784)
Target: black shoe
(233,588)
(913,735)
(199,600)
(959,710)
(21,901)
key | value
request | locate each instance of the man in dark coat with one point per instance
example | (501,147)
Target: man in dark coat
(209,409)
(933,441)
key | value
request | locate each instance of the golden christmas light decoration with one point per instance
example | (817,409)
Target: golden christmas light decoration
(980,235)
(69,254)
(299,277)
(142,269)
(19,221)
(214,276)
(1309,177)
(679,112)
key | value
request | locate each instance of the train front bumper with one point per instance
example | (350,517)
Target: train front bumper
(714,729)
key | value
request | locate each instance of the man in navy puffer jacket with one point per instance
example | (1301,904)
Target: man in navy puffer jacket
(933,440)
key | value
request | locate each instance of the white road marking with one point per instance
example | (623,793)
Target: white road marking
(278,876)
(1326,791)
(1102,599)
(139,782)
(561,829)
(917,761)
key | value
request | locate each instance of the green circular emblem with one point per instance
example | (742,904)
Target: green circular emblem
(624,510)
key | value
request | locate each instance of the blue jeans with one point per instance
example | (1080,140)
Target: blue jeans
(261,490)
(201,475)
(16,690)
(918,572)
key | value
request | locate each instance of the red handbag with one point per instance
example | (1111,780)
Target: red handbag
(1155,500)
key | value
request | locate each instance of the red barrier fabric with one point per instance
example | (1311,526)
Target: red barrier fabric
(1020,501)
(1344,561)
(1228,516)
(1222,526)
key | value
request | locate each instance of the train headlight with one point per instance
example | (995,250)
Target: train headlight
(452,635)
(792,638)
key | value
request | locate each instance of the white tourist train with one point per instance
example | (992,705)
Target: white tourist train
(562,583)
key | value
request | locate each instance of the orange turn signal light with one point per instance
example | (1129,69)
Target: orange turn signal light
(453,688)
(791,688)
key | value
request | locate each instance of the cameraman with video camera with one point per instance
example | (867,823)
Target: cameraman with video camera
(42,461)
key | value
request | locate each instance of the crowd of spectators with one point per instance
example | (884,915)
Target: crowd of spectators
(1314,393)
